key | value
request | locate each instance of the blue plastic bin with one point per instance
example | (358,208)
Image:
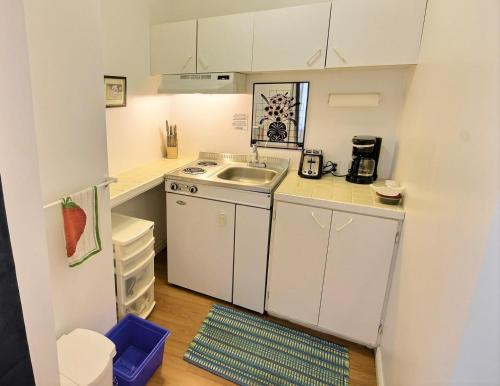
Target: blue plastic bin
(139,350)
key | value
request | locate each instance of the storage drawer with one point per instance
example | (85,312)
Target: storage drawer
(130,235)
(134,282)
(125,266)
(141,305)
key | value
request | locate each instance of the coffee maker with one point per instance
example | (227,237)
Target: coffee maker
(365,155)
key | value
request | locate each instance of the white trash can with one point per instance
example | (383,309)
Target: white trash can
(85,359)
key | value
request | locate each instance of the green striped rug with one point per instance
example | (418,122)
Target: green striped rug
(249,350)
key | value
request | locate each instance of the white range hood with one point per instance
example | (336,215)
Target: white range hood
(211,83)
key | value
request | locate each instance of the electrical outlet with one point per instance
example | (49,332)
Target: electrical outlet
(338,165)
(341,167)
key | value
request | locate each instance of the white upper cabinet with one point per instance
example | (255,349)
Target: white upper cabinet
(372,33)
(291,38)
(173,48)
(357,271)
(297,261)
(225,43)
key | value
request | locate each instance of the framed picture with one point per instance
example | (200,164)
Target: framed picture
(279,114)
(115,91)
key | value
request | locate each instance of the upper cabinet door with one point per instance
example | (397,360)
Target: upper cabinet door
(291,38)
(173,48)
(299,245)
(371,33)
(225,43)
(357,271)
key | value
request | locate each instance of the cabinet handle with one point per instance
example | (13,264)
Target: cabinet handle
(343,226)
(317,221)
(339,55)
(202,63)
(313,58)
(187,61)
(181,202)
(222,219)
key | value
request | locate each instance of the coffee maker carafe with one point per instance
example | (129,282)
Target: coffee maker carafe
(365,155)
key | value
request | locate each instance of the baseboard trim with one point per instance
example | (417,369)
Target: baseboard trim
(379,368)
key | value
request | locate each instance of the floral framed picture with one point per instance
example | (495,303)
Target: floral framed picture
(115,91)
(279,114)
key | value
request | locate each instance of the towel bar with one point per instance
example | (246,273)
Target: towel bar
(107,182)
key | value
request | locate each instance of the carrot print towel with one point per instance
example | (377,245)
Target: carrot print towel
(81,225)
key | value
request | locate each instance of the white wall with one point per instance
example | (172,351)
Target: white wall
(204,121)
(442,322)
(134,131)
(65,55)
(22,194)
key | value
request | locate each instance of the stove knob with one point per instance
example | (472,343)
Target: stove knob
(174,186)
(193,189)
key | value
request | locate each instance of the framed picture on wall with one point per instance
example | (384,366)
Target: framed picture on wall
(279,114)
(115,91)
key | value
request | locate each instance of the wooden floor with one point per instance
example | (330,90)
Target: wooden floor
(182,312)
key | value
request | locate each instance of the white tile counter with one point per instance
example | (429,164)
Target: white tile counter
(139,180)
(335,193)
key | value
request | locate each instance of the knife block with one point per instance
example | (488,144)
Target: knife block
(172,152)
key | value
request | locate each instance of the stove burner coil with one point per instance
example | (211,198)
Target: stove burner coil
(207,163)
(193,171)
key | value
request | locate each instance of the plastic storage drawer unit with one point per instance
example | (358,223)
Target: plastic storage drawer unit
(139,350)
(133,282)
(130,235)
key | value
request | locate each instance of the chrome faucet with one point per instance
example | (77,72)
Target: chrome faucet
(254,158)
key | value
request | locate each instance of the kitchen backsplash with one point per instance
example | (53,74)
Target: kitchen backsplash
(205,121)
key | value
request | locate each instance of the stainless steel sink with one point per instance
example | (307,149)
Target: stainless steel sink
(247,175)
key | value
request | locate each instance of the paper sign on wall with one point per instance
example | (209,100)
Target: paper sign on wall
(240,121)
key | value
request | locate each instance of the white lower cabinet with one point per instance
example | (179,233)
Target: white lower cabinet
(200,235)
(297,261)
(356,275)
(330,269)
(218,249)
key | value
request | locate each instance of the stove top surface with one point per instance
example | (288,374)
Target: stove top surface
(207,170)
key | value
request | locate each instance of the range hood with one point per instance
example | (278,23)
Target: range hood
(211,83)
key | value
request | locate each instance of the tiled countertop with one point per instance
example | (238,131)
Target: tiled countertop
(137,181)
(335,193)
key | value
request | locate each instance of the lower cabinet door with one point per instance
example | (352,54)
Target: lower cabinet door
(250,257)
(356,276)
(299,244)
(200,237)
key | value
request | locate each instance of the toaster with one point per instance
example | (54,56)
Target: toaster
(311,164)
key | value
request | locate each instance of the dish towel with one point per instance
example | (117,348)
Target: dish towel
(81,225)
